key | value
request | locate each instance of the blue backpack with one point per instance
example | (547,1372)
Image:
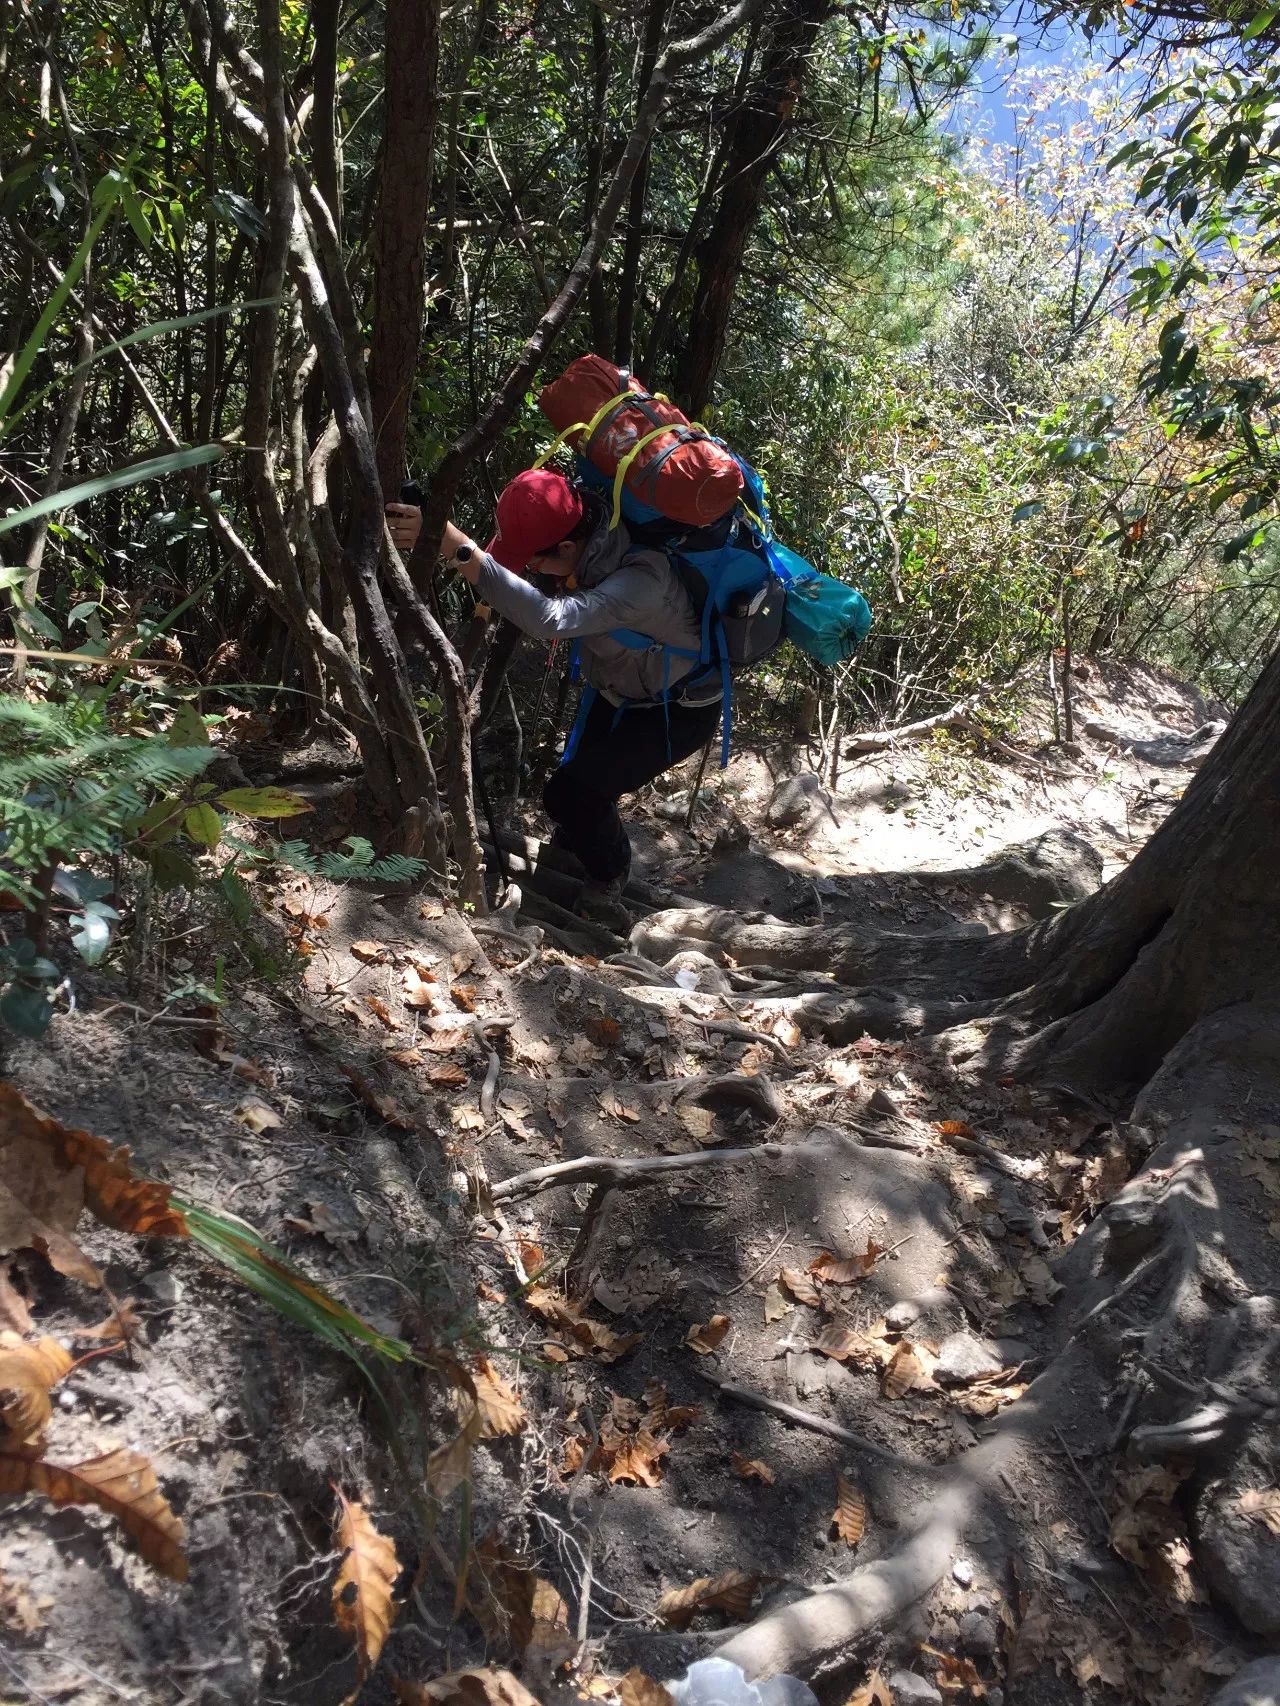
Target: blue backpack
(748,591)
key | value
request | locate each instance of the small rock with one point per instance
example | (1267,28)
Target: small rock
(902,1316)
(978,1634)
(67,1398)
(795,798)
(162,1287)
(962,1572)
(1012,1351)
(962,1358)
(1257,1684)
(908,1689)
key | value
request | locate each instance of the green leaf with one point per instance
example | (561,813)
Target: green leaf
(25,1010)
(136,217)
(187,728)
(91,932)
(176,462)
(159,823)
(203,824)
(263,802)
(1263,21)
(1024,512)
(1237,164)
(172,870)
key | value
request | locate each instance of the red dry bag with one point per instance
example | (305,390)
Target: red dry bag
(642,441)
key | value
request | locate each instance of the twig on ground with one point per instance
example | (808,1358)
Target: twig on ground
(807,1419)
(1082,1478)
(610,1170)
(759,1268)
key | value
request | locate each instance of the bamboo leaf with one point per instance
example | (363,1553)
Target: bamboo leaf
(174,462)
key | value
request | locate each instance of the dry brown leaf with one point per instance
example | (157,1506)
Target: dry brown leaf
(15,1315)
(449,1465)
(850,1515)
(776,1305)
(258,1115)
(588,1335)
(110,1188)
(602,1030)
(464,997)
(620,1107)
(706,1339)
(431,908)
(122,1483)
(681,1416)
(501,1412)
(1262,1505)
(50,1171)
(864,1350)
(419,991)
(752,1469)
(363,1607)
(903,1372)
(800,1286)
(370,953)
(956,1675)
(698,1121)
(447,1076)
(731,1593)
(787,1031)
(874,1692)
(386,1107)
(378,1007)
(837,1270)
(466,1688)
(955,1128)
(405,1056)
(120,1327)
(637,1689)
(639,1459)
(27,1372)
(20,1613)
(655,1398)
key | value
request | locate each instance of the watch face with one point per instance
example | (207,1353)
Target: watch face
(464,553)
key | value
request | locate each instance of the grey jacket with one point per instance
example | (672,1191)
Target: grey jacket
(619,586)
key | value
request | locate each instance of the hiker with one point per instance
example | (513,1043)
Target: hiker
(557,570)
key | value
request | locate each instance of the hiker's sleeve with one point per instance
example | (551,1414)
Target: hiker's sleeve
(622,601)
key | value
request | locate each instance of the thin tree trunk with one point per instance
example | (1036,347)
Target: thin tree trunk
(629,281)
(411,54)
(759,132)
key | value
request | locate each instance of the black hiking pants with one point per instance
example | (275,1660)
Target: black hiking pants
(582,796)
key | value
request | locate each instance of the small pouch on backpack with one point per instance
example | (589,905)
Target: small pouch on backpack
(752,621)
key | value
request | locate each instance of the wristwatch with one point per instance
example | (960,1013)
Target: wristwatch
(465,552)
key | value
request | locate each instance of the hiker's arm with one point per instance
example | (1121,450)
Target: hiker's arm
(621,601)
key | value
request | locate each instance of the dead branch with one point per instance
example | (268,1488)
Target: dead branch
(754,1400)
(616,1170)
(884,740)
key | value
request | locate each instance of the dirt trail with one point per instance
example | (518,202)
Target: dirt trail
(878,1236)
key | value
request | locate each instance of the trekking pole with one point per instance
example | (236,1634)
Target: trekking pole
(697,783)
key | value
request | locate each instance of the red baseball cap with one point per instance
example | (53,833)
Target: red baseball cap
(536,511)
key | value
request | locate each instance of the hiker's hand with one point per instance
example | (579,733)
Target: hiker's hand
(405,523)
(450,541)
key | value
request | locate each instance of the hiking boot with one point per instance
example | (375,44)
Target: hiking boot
(602,903)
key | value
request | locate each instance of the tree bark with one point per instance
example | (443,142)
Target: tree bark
(411,59)
(760,128)
(629,282)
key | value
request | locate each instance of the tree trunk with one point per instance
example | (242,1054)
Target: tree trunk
(759,130)
(411,55)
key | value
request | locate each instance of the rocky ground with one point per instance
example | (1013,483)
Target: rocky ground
(708,1317)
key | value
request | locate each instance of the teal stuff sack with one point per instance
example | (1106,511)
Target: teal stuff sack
(825,619)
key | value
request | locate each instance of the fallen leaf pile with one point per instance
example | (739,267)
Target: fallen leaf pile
(49,1174)
(579,1335)
(1262,1505)
(1148,1531)
(634,1439)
